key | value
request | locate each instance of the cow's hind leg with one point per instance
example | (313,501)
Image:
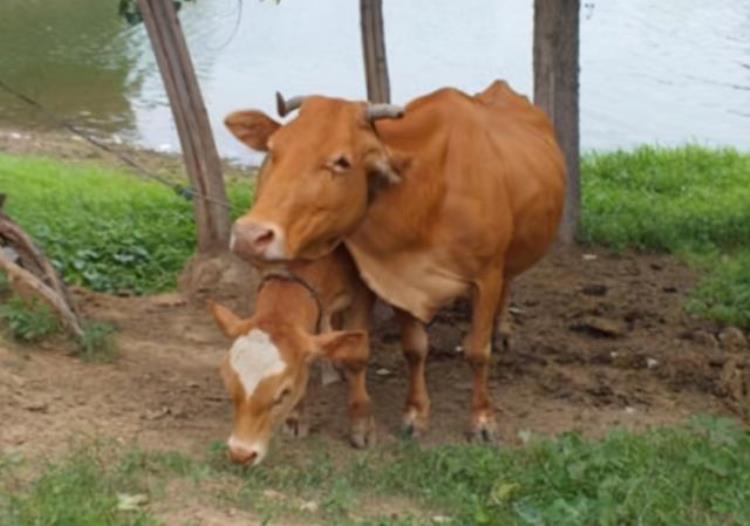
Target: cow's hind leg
(486,300)
(416,345)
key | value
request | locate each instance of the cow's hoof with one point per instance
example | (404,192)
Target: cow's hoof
(414,424)
(363,433)
(296,427)
(483,429)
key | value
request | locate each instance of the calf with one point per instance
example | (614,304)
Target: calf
(267,368)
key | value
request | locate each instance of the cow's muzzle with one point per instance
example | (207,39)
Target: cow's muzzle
(258,241)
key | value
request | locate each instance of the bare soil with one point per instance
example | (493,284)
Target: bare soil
(599,340)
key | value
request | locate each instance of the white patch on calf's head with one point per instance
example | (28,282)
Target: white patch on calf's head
(254,357)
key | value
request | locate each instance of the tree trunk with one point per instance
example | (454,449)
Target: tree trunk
(198,147)
(556,44)
(373,50)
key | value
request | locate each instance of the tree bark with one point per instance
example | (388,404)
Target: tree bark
(198,148)
(373,50)
(556,67)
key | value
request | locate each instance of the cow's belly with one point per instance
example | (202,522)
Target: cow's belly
(413,281)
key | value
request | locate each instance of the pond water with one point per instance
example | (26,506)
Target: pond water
(652,71)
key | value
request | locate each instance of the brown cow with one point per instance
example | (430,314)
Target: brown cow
(267,368)
(459,196)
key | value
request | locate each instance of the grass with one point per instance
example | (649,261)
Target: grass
(104,228)
(689,201)
(697,473)
(28,323)
(97,343)
(111,231)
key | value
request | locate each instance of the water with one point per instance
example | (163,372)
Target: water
(652,71)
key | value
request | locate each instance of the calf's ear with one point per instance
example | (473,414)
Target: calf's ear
(350,349)
(230,324)
(254,128)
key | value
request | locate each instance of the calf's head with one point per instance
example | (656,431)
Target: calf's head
(265,373)
(315,182)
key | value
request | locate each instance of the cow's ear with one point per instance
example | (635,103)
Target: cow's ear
(386,168)
(254,128)
(350,349)
(229,323)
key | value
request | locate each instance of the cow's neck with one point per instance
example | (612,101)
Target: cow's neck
(288,301)
(392,244)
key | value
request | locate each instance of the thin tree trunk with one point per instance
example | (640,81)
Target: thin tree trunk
(373,50)
(193,127)
(556,44)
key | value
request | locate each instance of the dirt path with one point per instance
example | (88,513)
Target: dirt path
(599,341)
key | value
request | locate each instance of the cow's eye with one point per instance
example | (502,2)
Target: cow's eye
(341,163)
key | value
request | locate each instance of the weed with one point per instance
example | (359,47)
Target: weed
(28,323)
(97,343)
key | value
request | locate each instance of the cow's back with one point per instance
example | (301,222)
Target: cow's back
(483,185)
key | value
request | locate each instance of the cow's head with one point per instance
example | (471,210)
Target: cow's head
(319,173)
(266,372)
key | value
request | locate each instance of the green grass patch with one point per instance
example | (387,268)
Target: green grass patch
(697,473)
(691,201)
(28,323)
(104,228)
(85,489)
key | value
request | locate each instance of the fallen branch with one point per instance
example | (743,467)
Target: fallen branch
(30,274)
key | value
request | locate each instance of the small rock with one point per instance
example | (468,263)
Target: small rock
(733,340)
(458,349)
(310,506)
(516,311)
(599,327)
(651,363)
(383,372)
(441,519)
(588,257)
(156,414)
(126,502)
(630,410)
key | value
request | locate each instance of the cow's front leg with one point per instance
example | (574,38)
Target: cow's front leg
(297,424)
(416,346)
(362,422)
(486,300)
(360,409)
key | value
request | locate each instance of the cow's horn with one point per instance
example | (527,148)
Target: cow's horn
(384,111)
(283,107)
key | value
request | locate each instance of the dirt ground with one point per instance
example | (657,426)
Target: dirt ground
(599,340)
